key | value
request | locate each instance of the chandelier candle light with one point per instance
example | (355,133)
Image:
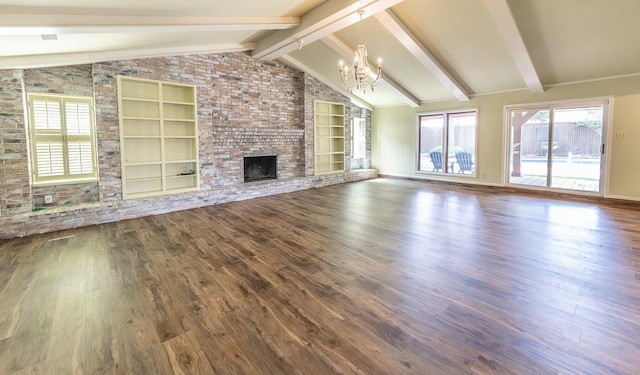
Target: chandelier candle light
(357,75)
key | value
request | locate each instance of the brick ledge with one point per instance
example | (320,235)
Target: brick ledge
(75,216)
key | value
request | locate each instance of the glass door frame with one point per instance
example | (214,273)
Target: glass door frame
(605,102)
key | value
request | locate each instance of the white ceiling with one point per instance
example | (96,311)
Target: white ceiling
(431,49)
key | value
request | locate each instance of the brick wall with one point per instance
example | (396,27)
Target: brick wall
(73,81)
(193,69)
(68,80)
(91,214)
(316,90)
(67,194)
(233,144)
(246,107)
(256,112)
(15,190)
(364,163)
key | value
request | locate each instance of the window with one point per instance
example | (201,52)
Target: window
(447,142)
(62,140)
(359,138)
(558,145)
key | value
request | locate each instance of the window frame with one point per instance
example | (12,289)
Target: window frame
(65,138)
(446,167)
(607,103)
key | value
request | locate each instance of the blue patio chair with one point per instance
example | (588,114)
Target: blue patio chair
(465,162)
(436,160)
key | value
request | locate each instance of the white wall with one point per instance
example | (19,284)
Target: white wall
(394,133)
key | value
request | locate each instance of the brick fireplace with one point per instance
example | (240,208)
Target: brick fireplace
(258,168)
(246,108)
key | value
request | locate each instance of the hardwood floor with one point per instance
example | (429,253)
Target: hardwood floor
(376,277)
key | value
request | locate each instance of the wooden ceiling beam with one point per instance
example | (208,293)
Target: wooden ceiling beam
(328,18)
(64,59)
(505,23)
(410,41)
(34,24)
(287,59)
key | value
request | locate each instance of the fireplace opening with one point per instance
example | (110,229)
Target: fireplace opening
(258,168)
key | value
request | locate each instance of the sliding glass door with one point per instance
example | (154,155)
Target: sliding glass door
(558,147)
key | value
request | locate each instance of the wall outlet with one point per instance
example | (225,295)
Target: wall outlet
(620,136)
(48,199)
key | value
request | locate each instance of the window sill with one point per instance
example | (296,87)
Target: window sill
(64,182)
(454,174)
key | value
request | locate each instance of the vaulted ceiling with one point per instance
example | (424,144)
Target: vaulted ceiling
(430,49)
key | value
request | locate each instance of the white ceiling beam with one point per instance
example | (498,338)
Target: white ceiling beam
(64,59)
(410,41)
(326,19)
(34,24)
(347,54)
(508,29)
(300,66)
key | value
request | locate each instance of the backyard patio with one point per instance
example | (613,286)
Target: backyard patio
(581,174)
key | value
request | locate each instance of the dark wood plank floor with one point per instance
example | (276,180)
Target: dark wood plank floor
(376,277)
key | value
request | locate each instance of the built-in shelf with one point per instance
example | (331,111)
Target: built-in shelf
(329,137)
(158,137)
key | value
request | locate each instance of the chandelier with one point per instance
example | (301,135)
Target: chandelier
(358,74)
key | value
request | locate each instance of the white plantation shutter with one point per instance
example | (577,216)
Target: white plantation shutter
(46,115)
(63,146)
(50,159)
(78,120)
(80,157)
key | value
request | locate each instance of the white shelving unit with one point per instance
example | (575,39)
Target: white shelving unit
(328,137)
(158,137)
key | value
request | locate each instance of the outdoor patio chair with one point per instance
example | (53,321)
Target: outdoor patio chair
(465,162)
(436,160)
